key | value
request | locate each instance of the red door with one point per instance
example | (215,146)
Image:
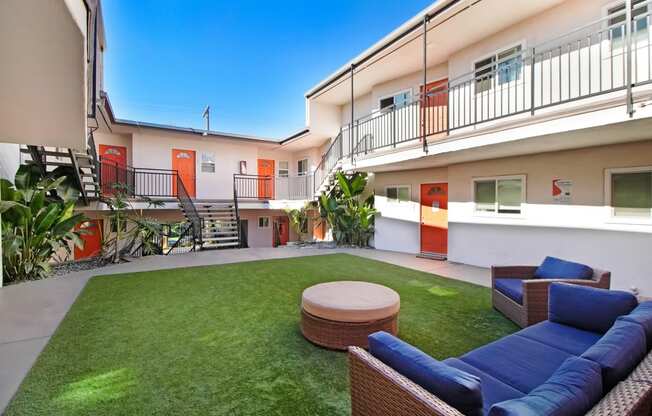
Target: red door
(183,161)
(434,219)
(265,179)
(92,239)
(434,108)
(114,163)
(283,226)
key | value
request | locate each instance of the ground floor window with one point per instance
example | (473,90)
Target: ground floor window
(398,193)
(630,193)
(499,195)
(263,222)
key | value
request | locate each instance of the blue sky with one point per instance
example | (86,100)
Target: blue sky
(252,61)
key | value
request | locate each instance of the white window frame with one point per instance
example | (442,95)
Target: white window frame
(268,222)
(605,15)
(611,217)
(394,94)
(496,214)
(304,173)
(202,163)
(398,201)
(287,169)
(495,53)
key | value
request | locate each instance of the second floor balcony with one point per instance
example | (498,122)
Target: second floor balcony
(606,63)
(265,188)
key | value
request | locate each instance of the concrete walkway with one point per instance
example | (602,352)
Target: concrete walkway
(31,312)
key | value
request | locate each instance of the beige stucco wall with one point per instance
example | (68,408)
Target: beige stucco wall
(585,167)
(43,73)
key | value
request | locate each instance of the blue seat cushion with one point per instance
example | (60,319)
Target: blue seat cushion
(566,338)
(618,352)
(554,268)
(642,315)
(517,361)
(456,387)
(587,308)
(512,288)
(572,390)
(493,390)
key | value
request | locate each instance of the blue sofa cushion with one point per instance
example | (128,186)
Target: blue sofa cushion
(566,338)
(517,361)
(618,352)
(642,315)
(512,288)
(493,390)
(554,268)
(572,390)
(576,306)
(457,388)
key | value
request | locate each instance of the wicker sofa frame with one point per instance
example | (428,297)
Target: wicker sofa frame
(377,389)
(535,292)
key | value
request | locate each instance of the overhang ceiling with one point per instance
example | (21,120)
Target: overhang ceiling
(466,23)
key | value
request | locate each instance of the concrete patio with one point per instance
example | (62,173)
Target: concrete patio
(32,311)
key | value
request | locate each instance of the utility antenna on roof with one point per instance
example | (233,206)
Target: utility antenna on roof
(207,115)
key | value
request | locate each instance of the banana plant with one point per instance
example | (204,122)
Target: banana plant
(350,217)
(38,221)
(298,220)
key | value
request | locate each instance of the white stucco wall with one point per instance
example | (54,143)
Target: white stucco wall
(9,160)
(625,254)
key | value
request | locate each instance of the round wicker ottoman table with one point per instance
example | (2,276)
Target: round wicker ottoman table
(336,315)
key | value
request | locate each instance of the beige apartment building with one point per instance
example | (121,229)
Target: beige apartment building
(496,132)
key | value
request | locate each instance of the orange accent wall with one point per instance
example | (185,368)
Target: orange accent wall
(92,240)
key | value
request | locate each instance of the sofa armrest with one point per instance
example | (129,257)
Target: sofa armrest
(512,272)
(376,389)
(602,278)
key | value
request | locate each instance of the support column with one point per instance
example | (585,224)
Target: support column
(628,37)
(425,82)
(351,138)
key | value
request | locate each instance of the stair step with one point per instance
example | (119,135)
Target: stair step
(220,245)
(219,239)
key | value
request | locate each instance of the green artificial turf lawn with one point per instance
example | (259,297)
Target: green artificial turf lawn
(225,340)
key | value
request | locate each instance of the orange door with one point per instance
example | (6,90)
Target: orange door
(319,230)
(92,239)
(265,179)
(434,108)
(183,161)
(434,219)
(283,224)
(114,162)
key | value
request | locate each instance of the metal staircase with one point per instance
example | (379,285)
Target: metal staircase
(83,166)
(219,223)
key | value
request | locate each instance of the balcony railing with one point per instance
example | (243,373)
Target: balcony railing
(263,188)
(141,182)
(593,60)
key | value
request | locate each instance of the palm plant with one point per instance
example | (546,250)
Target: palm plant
(298,220)
(130,228)
(38,221)
(348,213)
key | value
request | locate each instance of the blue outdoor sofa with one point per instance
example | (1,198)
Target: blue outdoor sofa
(590,357)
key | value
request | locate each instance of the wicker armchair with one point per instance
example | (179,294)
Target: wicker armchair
(376,389)
(535,292)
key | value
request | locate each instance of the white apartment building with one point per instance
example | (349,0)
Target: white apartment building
(497,132)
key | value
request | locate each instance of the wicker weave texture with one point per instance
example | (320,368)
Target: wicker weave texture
(378,390)
(340,335)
